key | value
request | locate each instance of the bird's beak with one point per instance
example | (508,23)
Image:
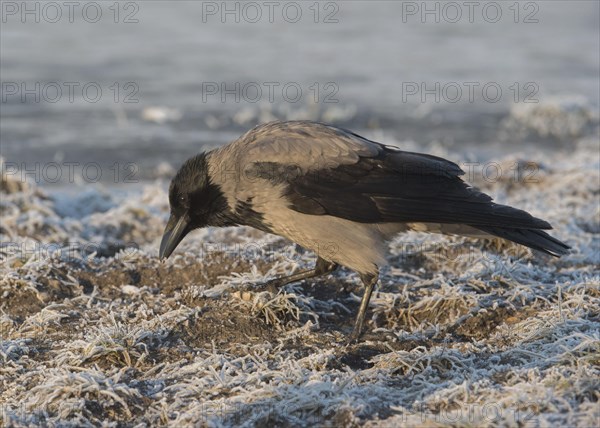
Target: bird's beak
(175,231)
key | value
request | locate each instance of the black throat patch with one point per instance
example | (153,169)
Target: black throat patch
(246,215)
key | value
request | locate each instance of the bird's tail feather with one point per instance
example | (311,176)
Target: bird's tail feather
(532,238)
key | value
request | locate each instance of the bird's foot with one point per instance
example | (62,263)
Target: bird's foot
(353,337)
(272,286)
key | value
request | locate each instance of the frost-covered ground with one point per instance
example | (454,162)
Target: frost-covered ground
(95,330)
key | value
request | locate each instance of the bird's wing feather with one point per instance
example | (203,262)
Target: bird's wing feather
(330,171)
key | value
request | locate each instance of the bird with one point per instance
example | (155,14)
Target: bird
(338,194)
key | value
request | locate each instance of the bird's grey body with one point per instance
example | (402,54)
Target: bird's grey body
(340,195)
(360,247)
(362,243)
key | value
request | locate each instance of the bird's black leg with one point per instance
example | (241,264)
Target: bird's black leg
(322,267)
(369,280)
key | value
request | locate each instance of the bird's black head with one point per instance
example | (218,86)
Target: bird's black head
(195,202)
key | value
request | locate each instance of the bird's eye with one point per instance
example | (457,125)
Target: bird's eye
(182,199)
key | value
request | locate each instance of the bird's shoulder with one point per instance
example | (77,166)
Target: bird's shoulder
(305,144)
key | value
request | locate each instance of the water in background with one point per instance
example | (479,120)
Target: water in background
(368,71)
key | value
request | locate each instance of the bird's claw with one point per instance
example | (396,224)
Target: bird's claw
(271,286)
(353,337)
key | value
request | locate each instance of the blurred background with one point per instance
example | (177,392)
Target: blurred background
(137,87)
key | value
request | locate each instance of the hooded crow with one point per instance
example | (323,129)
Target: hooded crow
(338,194)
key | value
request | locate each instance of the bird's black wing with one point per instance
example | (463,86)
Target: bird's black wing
(399,186)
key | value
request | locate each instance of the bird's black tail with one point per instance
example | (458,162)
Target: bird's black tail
(532,238)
